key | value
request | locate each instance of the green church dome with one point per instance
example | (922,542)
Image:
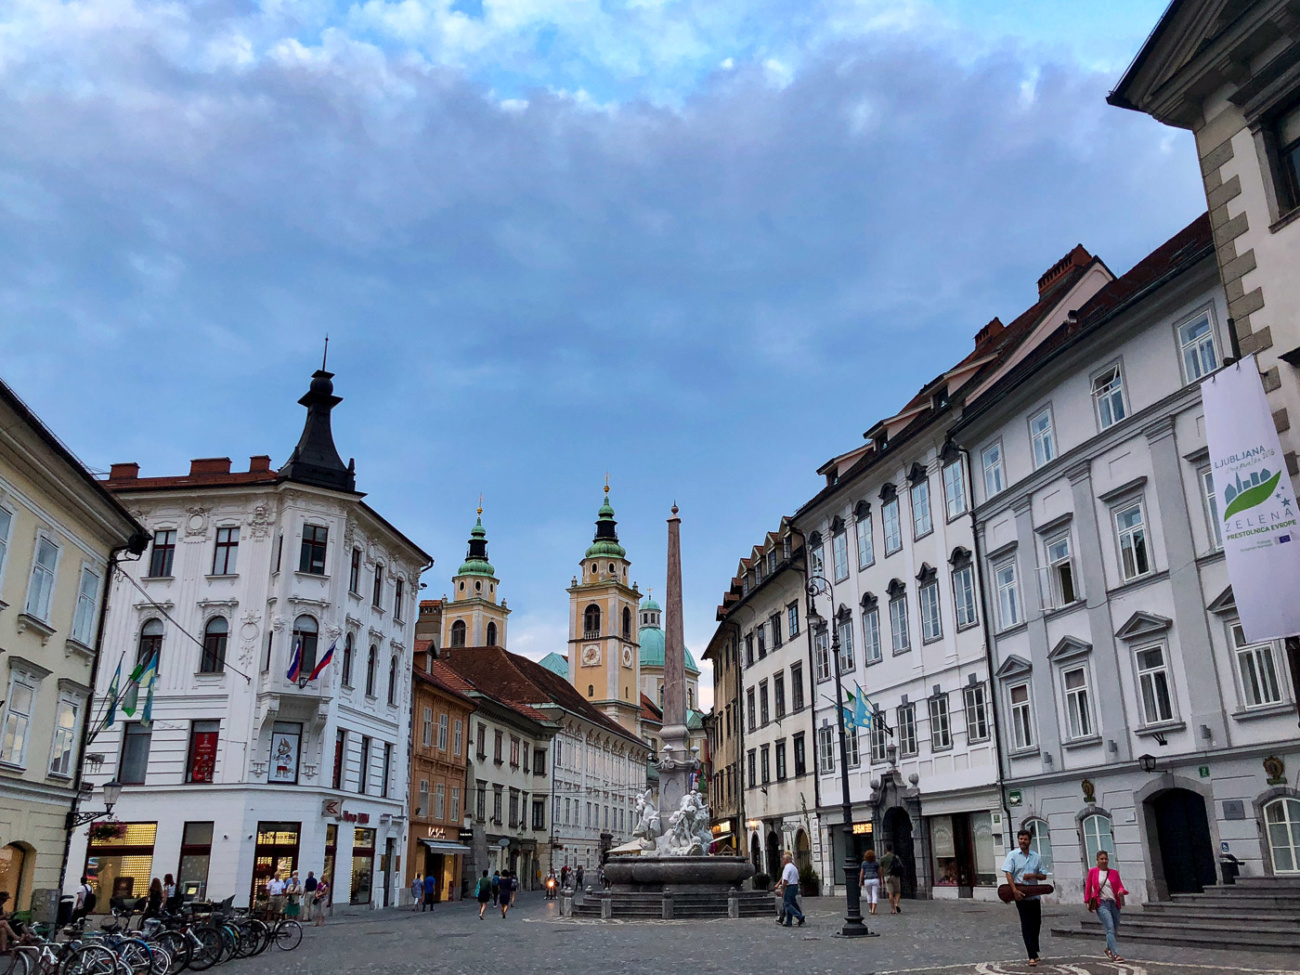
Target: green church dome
(605,544)
(476,559)
(651,638)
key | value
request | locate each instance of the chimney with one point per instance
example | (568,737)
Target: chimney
(259,464)
(1079,257)
(124,472)
(209,465)
(991,330)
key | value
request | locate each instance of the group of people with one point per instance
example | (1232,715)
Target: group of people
(500,889)
(887,871)
(299,898)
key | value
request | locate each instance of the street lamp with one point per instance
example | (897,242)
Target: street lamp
(112,792)
(853,925)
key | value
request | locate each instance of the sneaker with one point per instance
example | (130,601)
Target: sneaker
(801,921)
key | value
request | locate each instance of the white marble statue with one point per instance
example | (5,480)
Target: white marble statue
(647,821)
(688,832)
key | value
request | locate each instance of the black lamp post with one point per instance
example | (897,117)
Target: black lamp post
(853,924)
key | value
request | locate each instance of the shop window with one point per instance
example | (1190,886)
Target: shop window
(274,855)
(121,865)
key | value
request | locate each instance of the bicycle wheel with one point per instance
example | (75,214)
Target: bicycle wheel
(89,960)
(177,948)
(160,962)
(135,954)
(207,952)
(288,935)
(15,963)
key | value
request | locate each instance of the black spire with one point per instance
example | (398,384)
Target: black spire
(316,460)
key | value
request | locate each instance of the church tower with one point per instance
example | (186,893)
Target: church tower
(603,661)
(472,617)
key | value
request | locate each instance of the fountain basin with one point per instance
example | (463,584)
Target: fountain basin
(669,871)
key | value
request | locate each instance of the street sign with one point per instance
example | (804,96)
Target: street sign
(1204,770)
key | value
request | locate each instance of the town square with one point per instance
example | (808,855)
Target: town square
(650,485)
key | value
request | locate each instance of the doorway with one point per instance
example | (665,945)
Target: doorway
(773,855)
(1186,847)
(802,851)
(898,833)
(755,854)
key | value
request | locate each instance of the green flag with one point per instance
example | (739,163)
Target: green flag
(112,696)
(149,678)
(132,696)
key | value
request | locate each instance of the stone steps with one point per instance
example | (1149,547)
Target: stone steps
(649,905)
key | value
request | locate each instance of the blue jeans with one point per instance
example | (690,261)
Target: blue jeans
(790,904)
(1108,914)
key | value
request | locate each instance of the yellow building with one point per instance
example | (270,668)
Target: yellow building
(59,533)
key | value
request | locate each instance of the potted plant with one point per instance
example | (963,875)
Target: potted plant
(810,881)
(762,881)
(105,830)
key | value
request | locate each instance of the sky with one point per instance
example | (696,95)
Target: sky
(697,245)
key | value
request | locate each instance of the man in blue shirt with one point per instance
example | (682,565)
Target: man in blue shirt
(1024,866)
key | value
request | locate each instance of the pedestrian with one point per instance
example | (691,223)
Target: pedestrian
(789,887)
(85,900)
(483,893)
(579,878)
(293,896)
(1104,893)
(322,899)
(275,894)
(870,880)
(169,892)
(507,884)
(309,895)
(417,891)
(496,886)
(154,903)
(1024,866)
(891,868)
(430,892)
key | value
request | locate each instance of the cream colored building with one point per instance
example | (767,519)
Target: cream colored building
(59,531)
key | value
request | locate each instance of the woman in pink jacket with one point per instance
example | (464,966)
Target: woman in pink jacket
(1104,893)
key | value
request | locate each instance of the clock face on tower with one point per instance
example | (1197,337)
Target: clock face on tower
(627,656)
(591,655)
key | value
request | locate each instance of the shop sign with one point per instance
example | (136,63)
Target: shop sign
(721,829)
(333,809)
(467,836)
(361,818)
(863,829)
(437,832)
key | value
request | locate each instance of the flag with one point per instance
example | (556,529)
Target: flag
(149,678)
(112,696)
(861,716)
(295,662)
(131,699)
(324,661)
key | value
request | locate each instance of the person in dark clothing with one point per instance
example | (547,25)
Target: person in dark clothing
(85,900)
(508,883)
(153,907)
(483,893)
(430,892)
(496,886)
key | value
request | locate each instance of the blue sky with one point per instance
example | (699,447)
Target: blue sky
(699,245)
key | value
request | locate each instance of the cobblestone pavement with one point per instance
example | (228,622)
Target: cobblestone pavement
(934,937)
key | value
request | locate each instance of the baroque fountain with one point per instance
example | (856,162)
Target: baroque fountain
(667,871)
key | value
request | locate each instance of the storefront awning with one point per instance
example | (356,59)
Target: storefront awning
(442,846)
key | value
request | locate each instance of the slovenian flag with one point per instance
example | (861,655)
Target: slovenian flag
(324,661)
(295,663)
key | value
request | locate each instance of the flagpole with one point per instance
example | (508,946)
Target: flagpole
(109,703)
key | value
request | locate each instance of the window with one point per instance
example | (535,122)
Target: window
(898,628)
(225,554)
(539,814)
(792,618)
(1060,574)
(387,769)
(1040,841)
(83,621)
(1255,665)
(922,522)
(458,633)
(1196,344)
(340,757)
(354,573)
(963,593)
(279,550)
(1004,579)
(749,649)
(1097,837)
(1153,684)
(780,761)
(1282,819)
(840,555)
(215,634)
(844,628)
(377,595)
(931,625)
(19,704)
(134,764)
(164,551)
(816,562)
(496,806)
(1078,708)
(763,713)
(347,660)
(893,528)
(312,557)
(64,745)
(591,621)
(751,708)
(1212,509)
(1022,720)
(372,661)
(1043,437)
(427,737)
(796,686)
(954,489)
(627,623)
(440,801)
(765,763)
(778,695)
(399,591)
(774,625)
(822,655)
(363,767)
(392,682)
(907,730)
(871,635)
(866,545)
(422,806)
(751,767)
(442,732)
(514,752)
(800,759)
(458,738)
(994,479)
(1130,523)
(306,635)
(851,747)
(480,803)
(40,591)
(975,697)
(498,744)
(761,633)
(940,728)
(454,815)
(879,739)
(825,749)
(6,521)
(201,763)
(1108,395)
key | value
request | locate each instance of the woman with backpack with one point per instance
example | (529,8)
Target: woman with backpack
(483,893)
(507,887)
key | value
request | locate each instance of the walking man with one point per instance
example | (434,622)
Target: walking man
(790,890)
(1024,866)
(507,890)
(430,890)
(891,871)
(309,895)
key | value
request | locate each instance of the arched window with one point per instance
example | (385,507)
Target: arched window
(458,633)
(305,636)
(372,661)
(1041,840)
(392,681)
(213,660)
(13,858)
(690,697)
(1097,837)
(591,621)
(491,634)
(1282,820)
(151,635)
(661,694)
(591,690)
(627,623)
(347,660)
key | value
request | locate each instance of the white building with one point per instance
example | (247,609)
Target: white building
(244,772)
(1134,715)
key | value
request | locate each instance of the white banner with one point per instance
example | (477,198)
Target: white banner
(1255,501)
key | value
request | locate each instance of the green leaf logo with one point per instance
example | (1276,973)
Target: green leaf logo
(1252,496)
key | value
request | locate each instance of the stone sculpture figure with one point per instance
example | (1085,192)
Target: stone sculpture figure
(647,820)
(688,831)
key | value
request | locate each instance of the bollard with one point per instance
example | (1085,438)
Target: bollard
(566,903)
(606,906)
(733,902)
(667,906)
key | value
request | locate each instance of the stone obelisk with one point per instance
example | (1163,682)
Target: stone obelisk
(676,761)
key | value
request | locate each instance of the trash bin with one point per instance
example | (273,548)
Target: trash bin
(1230,866)
(67,904)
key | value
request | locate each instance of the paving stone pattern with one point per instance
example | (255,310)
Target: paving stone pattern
(939,937)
